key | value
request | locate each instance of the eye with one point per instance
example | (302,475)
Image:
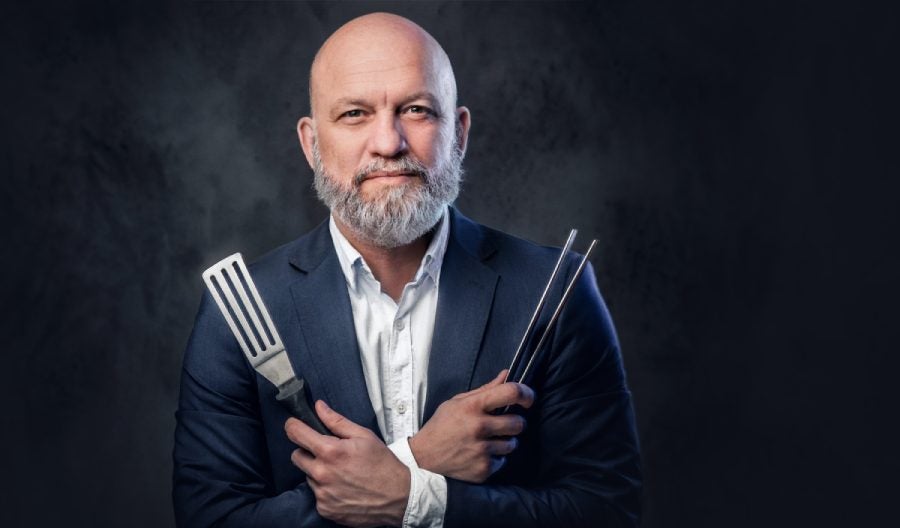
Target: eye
(419,111)
(354,116)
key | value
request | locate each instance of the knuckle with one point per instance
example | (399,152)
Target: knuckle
(328,451)
(480,429)
(323,474)
(316,473)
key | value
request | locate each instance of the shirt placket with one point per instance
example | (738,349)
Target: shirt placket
(401,365)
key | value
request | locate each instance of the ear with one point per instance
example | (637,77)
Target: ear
(306,131)
(463,122)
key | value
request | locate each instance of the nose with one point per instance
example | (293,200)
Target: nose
(388,138)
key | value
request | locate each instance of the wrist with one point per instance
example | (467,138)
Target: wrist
(400,504)
(417,448)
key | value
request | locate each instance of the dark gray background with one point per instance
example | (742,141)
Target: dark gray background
(736,160)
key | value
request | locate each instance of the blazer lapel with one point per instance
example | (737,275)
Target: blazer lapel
(330,361)
(465,297)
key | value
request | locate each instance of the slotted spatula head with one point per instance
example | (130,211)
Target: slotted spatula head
(233,289)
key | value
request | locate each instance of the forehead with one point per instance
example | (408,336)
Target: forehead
(379,70)
(377,76)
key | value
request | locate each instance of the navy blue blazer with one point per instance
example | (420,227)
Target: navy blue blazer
(577,463)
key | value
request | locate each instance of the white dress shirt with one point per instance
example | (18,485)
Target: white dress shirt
(394,344)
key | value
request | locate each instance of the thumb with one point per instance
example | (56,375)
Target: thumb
(493,383)
(337,423)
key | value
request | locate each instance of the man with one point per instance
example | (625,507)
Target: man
(392,311)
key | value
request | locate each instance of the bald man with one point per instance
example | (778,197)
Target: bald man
(401,314)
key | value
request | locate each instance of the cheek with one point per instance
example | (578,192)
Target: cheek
(426,142)
(340,153)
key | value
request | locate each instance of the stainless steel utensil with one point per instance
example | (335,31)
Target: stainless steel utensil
(526,338)
(233,289)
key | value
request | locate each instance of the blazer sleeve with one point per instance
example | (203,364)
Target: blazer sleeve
(580,462)
(222,473)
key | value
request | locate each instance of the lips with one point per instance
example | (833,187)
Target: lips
(391,177)
(391,171)
(382,174)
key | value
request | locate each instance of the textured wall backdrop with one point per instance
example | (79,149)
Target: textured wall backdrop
(732,157)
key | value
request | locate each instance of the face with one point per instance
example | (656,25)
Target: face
(384,141)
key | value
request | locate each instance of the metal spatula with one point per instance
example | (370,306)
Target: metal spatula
(233,289)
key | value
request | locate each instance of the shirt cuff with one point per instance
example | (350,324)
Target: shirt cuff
(427,491)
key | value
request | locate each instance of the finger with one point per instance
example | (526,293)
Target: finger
(338,424)
(497,463)
(502,447)
(503,425)
(507,394)
(498,379)
(304,435)
(493,383)
(303,459)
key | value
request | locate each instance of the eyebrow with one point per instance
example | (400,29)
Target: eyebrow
(425,94)
(355,101)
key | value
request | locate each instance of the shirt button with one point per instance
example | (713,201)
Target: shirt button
(401,407)
(399,325)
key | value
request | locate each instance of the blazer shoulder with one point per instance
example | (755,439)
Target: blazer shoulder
(513,252)
(280,265)
(489,244)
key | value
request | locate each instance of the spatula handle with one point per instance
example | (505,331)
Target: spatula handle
(295,397)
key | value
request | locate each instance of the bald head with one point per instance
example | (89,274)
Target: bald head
(374,46)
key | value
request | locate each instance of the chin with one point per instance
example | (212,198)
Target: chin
(376,191)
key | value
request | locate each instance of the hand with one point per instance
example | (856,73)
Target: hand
(355,477)
(462,440)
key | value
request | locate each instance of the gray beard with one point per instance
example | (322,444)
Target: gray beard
(400,213)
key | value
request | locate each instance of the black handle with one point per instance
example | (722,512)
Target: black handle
(295,397)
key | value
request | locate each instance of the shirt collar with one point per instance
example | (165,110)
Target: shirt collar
(352,263)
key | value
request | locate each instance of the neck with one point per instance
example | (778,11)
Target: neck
(392,267)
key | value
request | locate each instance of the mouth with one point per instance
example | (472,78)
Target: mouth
(391,176)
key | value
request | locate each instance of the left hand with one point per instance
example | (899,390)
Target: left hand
(355,477)
(464,439)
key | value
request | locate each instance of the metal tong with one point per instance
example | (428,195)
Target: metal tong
(518,358)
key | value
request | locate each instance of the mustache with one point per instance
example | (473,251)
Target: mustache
(405,164)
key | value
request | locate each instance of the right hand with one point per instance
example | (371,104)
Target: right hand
(462,440)
(356,479)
